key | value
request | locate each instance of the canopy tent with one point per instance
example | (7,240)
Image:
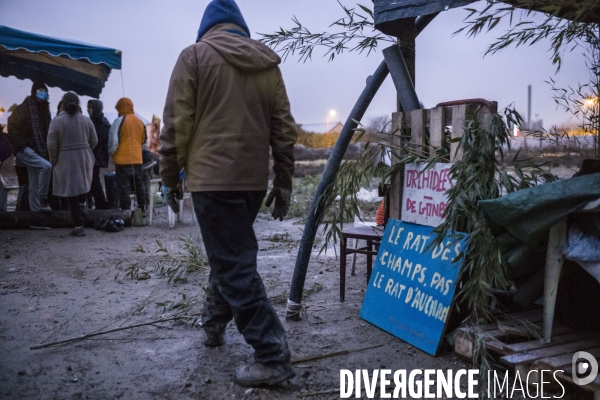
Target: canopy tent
(387,13)
(70,65)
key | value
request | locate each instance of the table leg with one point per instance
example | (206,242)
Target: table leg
(343,269)
(557,242)
(353,269)
(369,259)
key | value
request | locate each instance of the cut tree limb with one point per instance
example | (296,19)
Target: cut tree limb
(337,353)
(83,337)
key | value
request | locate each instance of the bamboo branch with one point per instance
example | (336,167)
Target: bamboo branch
(105,332)
(337,353)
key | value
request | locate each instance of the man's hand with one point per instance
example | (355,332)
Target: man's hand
(173,196)
(283,199)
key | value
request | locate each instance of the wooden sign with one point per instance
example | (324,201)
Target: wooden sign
(424,196)
(411,290)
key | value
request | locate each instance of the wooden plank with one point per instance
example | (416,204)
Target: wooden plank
(561,361)
(564,363)
(525,314)
(500,346)
(593,386)
(556,340)
(417,130)
(463,344)
(397,180)
(534,315)
(436,128)
(459,115)
(557,243)
(534,355)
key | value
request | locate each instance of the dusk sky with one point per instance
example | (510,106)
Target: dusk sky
(152,33)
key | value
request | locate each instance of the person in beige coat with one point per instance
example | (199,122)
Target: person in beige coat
(71,138)
(226,109)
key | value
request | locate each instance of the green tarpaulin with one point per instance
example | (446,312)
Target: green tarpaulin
(528,214)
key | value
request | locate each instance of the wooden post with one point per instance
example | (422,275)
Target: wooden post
(406,43)
(557,242)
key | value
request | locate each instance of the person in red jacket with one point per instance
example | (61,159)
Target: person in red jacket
(126,137)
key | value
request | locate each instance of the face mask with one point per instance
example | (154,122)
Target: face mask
(42,95)
(90,111)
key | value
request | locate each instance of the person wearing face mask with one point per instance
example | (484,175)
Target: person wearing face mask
(27,131)
(95,111)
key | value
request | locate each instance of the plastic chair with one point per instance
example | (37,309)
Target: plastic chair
(179,216)
(152,190)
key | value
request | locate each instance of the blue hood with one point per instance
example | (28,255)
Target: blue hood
(221,12)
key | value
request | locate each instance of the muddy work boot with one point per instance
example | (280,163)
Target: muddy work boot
(258,374)
(214,335)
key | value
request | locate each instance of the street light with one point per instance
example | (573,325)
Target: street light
(331,113)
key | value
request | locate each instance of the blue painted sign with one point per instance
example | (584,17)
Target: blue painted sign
(411,290)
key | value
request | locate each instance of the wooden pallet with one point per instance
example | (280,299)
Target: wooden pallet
(515,348)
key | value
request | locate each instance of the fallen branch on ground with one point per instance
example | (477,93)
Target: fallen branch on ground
(337,353)
(109,331)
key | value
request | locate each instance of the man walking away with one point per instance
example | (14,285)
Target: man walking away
(101,124)
(28,131)
(126,136)
(226,107)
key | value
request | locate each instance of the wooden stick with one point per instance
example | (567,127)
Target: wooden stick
(330,391)
(337,353)
(105,332)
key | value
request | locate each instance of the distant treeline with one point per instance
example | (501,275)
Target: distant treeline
(315,140)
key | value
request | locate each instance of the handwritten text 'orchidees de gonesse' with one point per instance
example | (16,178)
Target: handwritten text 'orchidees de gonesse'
(436,181)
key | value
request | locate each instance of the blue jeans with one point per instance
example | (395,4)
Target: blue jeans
(235,289)
(40,172)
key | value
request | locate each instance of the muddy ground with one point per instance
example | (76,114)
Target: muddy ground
(54,287)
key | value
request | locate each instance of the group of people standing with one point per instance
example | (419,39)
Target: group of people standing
(226,111)
(63,156)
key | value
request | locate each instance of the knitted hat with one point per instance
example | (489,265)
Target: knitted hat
(221,12)
(70,98)
(71,103)
(38,85)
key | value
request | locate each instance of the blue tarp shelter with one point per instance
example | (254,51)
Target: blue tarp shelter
(70,65)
